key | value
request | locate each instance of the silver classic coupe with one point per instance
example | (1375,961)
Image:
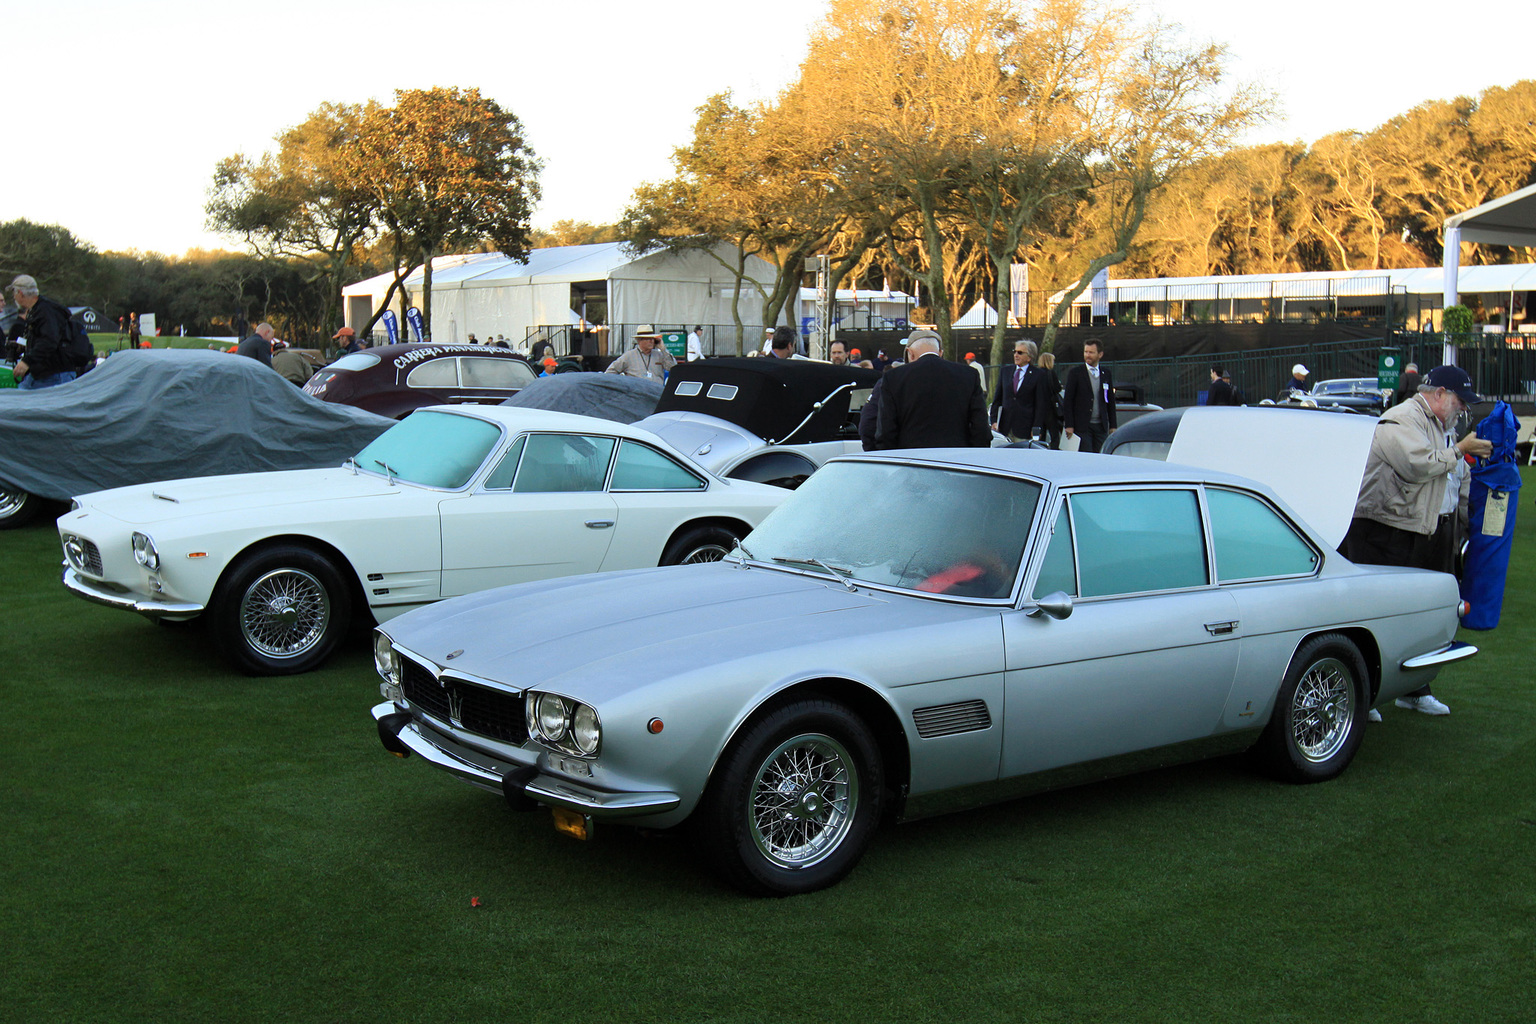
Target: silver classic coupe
(914,632)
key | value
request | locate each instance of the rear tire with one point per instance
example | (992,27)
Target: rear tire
(699,544)
(1320,712)
(794,800)
(18,508)
(281,611)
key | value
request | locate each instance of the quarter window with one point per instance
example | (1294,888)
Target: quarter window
(642,468)
(563,462)
(1253,541)
(485,372)
(434,373)
(1133,541)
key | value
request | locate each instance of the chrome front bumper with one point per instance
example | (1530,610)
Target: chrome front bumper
(487,772)
(89,590)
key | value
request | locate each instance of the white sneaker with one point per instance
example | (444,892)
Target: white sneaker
(1426,705)
(1374,716)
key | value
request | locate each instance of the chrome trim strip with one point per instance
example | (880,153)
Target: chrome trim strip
(544,788)
(1453,651)
(82,587)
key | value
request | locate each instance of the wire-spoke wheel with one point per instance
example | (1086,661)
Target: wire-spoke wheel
(17,508)
(284,613)
(281,610)
(699,544)
(795,799)
(1319,715)
(1321,710)
(802,800)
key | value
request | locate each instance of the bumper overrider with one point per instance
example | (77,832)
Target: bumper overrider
(152,607)
(404,733)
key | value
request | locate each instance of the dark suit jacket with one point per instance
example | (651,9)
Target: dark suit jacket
(1077,401)
(1220,393)
(1018,412)
(932,403)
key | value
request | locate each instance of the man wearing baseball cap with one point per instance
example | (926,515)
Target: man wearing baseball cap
(1414,494)
(43,362)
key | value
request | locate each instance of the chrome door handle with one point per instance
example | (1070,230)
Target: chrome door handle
(1220,628)
(599,524)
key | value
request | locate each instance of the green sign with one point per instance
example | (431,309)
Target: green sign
(676,342)
(1388,368)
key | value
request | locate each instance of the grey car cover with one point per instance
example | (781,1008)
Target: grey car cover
(150,415)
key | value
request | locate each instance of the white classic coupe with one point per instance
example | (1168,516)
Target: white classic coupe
(452,500)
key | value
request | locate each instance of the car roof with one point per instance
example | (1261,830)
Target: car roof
(1064,469)
(426,350)
(515,418)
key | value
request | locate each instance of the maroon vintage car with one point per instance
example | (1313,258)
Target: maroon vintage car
(394,380)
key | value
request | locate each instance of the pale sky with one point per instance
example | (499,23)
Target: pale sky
(119,111)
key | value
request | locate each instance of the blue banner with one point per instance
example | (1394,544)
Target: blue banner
(392,326)
(413,317)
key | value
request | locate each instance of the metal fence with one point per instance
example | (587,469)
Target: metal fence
(1499,368)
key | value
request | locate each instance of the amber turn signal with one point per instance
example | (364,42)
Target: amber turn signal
(655,725)
(572,823)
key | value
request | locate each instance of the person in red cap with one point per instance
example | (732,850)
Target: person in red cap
(348,338)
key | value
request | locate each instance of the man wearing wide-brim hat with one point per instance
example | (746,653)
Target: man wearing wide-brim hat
(649,358)
(1413,498)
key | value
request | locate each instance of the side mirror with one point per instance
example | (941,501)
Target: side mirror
(1057,605)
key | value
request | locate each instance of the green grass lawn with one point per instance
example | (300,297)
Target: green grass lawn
(180,843)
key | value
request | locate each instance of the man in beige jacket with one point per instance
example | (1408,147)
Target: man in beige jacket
(1415,489)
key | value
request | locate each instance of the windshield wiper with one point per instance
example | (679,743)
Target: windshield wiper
(744,550)
(352,461)
(388,470)
(841,575)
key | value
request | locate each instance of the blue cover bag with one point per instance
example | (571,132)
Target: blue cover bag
(1491,520)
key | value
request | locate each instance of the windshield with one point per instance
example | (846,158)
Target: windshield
(1344,387)
(922,528)
(354,361)
(434,449)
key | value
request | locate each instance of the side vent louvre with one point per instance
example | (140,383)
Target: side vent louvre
(948,719)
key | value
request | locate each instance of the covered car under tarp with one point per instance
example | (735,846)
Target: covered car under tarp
(163,414)
(609,396)
(779,400)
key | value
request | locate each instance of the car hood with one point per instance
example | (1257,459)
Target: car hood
(596,636)
(230,495)
(1313,461)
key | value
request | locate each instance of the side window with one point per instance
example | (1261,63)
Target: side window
(1132,541)
(1058,572)
(486,372)
(563,462)
(642,468)
(501,477)
(1253,541)
(434,373)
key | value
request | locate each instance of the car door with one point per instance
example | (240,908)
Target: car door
(1147,657)
(539,514)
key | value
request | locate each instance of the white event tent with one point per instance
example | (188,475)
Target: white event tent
(489,294)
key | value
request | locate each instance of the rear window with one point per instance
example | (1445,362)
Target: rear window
(355,361)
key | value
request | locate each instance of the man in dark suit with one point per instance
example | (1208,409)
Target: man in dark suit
(1220,391)
(1016,410)
(930,402)
(1088,399)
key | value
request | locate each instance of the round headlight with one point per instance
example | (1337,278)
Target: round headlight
(385,659)
(585,731)
(552,717)
(144,552)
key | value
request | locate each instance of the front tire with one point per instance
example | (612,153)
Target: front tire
(794,801)
(18,508)
(699,544)
(1320,712)
(281,611)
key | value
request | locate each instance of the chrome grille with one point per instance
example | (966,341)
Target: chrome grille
(948,719)
(478,709)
